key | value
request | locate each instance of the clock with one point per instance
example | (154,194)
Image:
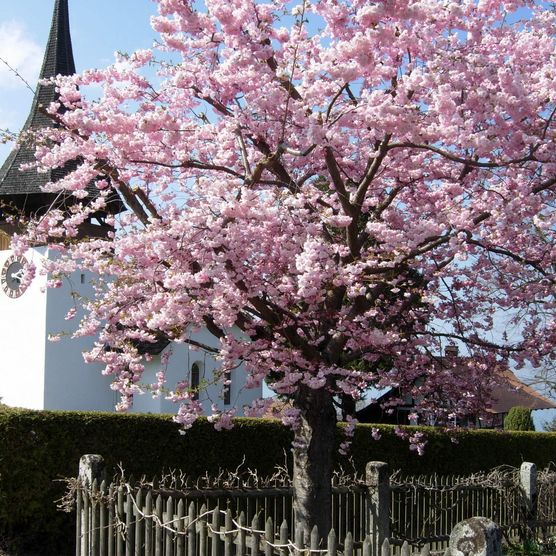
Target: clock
(11,276)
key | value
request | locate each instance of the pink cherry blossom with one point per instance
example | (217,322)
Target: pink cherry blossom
(335,195)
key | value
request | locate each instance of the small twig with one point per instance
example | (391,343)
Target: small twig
(17,74)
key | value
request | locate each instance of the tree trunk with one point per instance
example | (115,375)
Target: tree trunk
(313,448)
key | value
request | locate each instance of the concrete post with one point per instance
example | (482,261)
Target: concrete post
(91,468)
(477,536)
(528,484)
(378,483)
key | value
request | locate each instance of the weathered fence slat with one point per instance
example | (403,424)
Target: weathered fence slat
(315,538)
(228,535)
(94,517)
(120,540)
(299,539)
(332,543)
(191,530)
(269,537)
(79,541)
(203,544)
(137,510)
(348,545)
(215,534)
(367,546)
(158,531)
(103,522)
(180,529)
(168,524)
(255,536)
(284,538)
(111,520)
(85,521)
(149,524)
(241,536)
(129,526)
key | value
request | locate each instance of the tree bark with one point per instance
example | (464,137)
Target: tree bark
(313,449)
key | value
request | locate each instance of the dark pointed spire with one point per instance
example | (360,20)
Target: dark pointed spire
(21,189)
(58,60)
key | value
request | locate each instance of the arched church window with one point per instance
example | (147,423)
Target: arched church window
(227,393)
(195,380)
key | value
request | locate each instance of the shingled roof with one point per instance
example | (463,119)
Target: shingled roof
(508,392)
(21,189)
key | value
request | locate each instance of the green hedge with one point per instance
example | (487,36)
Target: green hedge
(39,448)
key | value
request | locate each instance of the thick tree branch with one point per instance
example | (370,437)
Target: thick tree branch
(338,182)
(371,171)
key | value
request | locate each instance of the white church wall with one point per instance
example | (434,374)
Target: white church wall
(37,373)
(22,341)
(179,368)
(70,383)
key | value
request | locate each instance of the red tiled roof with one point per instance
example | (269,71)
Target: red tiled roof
(511,392)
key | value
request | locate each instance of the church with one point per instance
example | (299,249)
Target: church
(37,372)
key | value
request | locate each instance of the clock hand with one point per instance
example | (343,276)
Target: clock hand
(18,276)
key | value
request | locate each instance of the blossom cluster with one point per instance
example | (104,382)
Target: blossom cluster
(333,206)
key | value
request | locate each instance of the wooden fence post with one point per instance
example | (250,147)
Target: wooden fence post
(528,484)
(378,483)
(91,468)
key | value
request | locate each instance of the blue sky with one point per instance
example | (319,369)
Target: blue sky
(99,29)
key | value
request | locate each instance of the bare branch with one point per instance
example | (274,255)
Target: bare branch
(216,104)
(147,202)
(244,155)
(466,161)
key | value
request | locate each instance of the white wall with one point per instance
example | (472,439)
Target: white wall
(40,374)
(22,341)
(70,383)
(178,368)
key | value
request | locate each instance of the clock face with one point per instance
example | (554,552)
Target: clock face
(11,276)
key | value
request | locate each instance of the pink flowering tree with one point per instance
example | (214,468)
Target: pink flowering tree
(333,189)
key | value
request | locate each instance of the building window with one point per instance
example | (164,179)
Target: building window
(195,380)
(227,393)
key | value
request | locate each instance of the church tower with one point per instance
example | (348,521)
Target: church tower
(38,373)
(35,372)
(21,194)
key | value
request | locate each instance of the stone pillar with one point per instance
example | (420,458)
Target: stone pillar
(378,483)
(528,484)
(477,536)
(91,468)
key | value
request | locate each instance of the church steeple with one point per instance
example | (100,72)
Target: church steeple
(58,60)
(20,190)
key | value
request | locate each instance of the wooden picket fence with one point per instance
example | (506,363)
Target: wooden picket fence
(425,509)
(118,519)
(121,522)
